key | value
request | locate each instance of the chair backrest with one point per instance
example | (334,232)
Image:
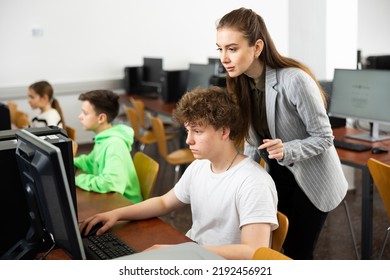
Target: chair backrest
(21,120)
(279,234)
(159,131)
(71,132)
(265,253)
(132,117)
(13,108)
(139,106)
(147,171)
(380,173)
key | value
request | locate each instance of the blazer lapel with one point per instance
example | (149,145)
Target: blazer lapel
(270,98)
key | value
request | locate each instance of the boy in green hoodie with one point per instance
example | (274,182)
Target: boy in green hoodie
(109,166)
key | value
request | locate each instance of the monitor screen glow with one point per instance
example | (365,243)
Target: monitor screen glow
(362,95)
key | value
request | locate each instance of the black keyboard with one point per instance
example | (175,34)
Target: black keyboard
(351,146)
(105,247)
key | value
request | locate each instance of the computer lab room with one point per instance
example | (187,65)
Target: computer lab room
(150,53)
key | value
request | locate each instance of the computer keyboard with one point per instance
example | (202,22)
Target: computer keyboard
(351,146)
(105,247)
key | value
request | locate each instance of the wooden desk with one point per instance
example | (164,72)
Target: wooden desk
(138,234)
(359,160)
(157,105)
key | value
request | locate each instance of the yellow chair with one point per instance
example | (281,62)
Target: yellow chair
(18,118)
(146,138)
(265,253)
(176,158)
(147,171)
(279,234)
(72,135)
(139,106)
(21,120)
(13,108)
(380,173)
(71,132)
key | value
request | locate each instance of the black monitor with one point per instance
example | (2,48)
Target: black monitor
(13,204)
(5,118)
(51,210)
(219,69)
(152,71)
(199,75)
(362,95)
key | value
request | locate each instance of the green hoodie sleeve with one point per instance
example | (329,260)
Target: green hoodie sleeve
(111,170)
(84,162)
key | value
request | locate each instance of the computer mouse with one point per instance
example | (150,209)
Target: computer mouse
(379,150)
(93,230)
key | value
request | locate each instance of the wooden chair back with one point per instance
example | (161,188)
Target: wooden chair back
(132,117)
(265,253)
(380,173)
(279,234)
(147,171)
(159,131)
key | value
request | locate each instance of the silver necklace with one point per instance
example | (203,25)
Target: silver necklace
(230,165)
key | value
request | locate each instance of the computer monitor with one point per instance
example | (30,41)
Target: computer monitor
(153,68)
(219,69)
(199,75)
(362,95)
(5,118)
(51,210)
(13,203)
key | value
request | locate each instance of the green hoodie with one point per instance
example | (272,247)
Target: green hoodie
(109,166)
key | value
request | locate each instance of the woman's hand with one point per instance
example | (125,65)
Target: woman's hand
(275,148)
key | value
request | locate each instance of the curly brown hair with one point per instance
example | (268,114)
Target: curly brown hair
(212,106)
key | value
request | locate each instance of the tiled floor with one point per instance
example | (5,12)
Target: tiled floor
(335,242)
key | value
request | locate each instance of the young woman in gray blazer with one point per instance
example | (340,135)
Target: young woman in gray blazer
(285,112)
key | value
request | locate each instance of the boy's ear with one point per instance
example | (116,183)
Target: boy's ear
(102,118)
(225,132)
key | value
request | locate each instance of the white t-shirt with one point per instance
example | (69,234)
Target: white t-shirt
(222,203)
(50,117)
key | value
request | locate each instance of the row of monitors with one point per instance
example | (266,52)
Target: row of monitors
(150,80)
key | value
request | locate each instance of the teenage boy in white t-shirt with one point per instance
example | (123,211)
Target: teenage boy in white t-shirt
(233,199)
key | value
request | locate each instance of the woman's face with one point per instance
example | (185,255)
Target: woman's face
(236,55)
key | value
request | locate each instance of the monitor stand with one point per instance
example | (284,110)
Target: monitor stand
(27,248)
(372,136)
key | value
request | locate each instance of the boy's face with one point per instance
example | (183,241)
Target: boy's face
(204,141)
(88,117)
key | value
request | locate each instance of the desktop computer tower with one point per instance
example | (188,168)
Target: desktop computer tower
(134,83)
(173,85)
(133,78)
(378,62)
(13,204)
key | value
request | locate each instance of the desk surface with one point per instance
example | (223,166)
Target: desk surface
(138,234)
(157,105)
(359,157)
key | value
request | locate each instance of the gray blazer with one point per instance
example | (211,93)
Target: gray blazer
(297,116)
